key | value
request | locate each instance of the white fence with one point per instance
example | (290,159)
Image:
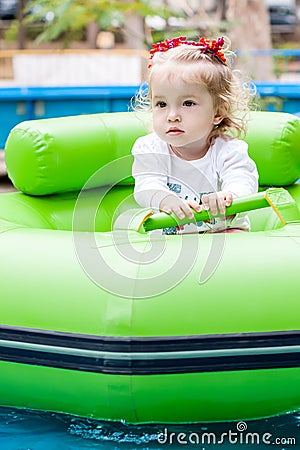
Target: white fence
(72,68)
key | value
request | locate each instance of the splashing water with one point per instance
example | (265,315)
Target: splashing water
(32,430)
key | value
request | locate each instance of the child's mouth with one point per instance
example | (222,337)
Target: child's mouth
(174,132)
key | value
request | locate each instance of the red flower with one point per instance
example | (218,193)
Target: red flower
(214,47)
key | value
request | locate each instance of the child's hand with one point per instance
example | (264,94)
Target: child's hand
(172,203)
(217,201)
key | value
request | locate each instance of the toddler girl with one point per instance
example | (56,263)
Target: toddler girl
(192,159)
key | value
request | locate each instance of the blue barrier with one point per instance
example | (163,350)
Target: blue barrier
(280,96)
(25,103)
(294,52)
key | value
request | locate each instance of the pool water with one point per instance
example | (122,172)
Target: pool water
(31,430)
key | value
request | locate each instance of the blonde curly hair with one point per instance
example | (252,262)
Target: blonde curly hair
(230,94)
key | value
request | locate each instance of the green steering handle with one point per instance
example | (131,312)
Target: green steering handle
(280,200)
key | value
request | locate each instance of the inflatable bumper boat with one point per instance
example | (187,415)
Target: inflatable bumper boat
(102,318)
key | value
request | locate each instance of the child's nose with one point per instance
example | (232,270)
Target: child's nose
(174,116)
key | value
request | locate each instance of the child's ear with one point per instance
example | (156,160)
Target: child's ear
(217,119)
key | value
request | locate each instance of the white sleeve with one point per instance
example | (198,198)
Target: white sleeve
(150,171)
(237,172)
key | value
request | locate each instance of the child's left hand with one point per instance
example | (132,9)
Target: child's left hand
(216,201)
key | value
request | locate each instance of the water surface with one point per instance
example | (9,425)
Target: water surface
(32,430)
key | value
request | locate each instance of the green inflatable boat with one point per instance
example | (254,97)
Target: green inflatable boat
(102,318)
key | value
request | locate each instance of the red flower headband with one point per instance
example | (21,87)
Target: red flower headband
(214,47)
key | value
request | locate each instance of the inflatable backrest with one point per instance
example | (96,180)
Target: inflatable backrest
(58,155)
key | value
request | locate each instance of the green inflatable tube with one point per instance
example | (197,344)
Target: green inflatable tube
(102,319)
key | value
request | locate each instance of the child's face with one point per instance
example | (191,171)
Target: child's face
(183,113)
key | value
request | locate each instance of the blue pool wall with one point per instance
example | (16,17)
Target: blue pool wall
(26,103)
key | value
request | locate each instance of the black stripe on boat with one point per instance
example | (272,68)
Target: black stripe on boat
(150,344)
(151,355)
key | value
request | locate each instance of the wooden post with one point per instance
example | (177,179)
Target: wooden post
(251,30)
(92,31)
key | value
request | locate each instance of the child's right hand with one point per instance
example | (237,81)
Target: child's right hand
(173,204)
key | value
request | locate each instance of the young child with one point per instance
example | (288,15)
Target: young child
(191,160)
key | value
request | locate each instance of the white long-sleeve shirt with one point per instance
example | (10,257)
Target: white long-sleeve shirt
(225,167)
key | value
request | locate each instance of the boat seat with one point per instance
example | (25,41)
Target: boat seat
(51,160)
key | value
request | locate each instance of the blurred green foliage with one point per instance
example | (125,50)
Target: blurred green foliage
(268,103)
(70,17)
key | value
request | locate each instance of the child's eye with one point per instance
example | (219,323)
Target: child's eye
(189,103)
(161,104)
